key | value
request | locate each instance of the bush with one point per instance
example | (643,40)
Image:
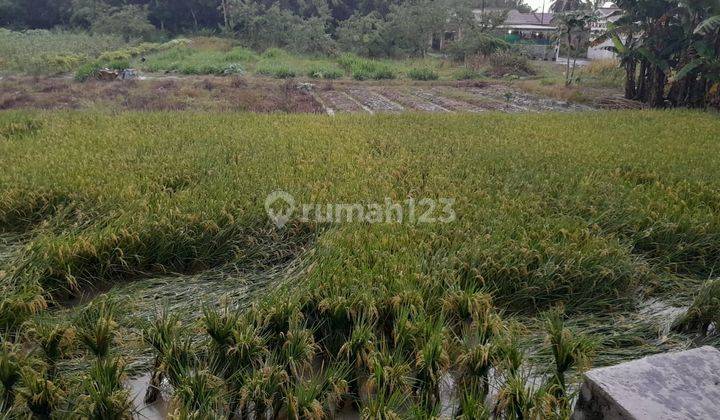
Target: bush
(601,73)
(241,54)
(467,73)
(233,68)
(276,70)
(503,63)
(422,74)
(364,69)
(118,65)
(274,53)
(475,44)
(329,73)
(88,71)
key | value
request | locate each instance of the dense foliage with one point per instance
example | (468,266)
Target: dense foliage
(670,51)
(363,27)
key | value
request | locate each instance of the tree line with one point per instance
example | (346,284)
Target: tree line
(182,16)
(670,51)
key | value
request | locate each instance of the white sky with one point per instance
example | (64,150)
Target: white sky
(537,4)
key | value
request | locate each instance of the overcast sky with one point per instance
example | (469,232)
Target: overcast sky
(537,4)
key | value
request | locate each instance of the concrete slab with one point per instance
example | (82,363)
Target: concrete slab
(682,385)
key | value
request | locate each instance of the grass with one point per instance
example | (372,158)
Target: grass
(51,52)
(202,56)
(585,211)
(422,74)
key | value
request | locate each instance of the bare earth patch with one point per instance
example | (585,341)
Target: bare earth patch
(207,93)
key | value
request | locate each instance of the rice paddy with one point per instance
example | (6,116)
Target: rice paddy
(139,243)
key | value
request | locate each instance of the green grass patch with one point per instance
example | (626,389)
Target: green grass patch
(325,72)
(276,70)
(422,74)
(365,69)
(51,52)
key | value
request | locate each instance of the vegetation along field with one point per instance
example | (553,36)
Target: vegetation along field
(137,244)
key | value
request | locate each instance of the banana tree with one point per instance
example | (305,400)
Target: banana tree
(699,75)
(572,26)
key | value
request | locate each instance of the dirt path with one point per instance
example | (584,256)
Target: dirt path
(374,101)
(410,101)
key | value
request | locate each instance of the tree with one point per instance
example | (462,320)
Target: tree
(572,27)
(669,50)
(364,35)
(415,22)
(129,21)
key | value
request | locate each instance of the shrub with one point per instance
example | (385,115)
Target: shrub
(329,73)
(240,54)
(66,62)
(503,63)
(363,69)
(274,53)
(601,73)
(233,68)
(467,73)
(475,44)
(276,70)
(118,64)
(88,71)
(422,74)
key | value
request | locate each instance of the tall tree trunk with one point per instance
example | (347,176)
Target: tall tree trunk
(225,15)
(657,87)
(567,65)
(642,85)
(630,67)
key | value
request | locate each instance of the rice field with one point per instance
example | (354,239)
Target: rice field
(50,52)
(583,236)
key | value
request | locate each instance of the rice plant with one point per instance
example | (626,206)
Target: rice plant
(11,364)
(298,351)
(304,400)
(432,361)
(384,407)
(161,334)
(358,351)
(103,395)
(471,406)
(570,350)
(198,395)
(53,340)
(704,311)
(390,373)
(41,397)
(264,388)
(96,327)
(589,223)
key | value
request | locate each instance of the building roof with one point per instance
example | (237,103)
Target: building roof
(516,18)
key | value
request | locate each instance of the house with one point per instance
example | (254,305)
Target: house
(532,32)
(608,12)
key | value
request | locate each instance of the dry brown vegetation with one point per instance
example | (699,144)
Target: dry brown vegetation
(206,94)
